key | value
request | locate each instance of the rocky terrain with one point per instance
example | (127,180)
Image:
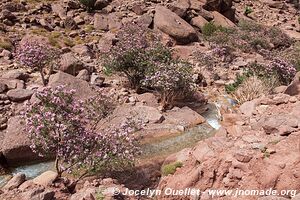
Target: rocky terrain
(258,144)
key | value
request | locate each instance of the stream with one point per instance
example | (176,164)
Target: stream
(162,147)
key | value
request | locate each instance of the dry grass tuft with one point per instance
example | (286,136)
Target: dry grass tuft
(253,88)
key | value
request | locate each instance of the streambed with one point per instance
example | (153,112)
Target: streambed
(163,147)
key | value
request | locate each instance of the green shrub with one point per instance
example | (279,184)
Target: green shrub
(170,168)
(89,4)
(248,10)
(249,26)
(68,42)
(209,29)
(239,80)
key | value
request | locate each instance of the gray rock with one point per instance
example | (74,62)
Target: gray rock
(97,80)
(18,95)
(15,182)
(83,89)
(59,10)
(82,50)
(16,74)
(101,22)
(70,64)
(84,75)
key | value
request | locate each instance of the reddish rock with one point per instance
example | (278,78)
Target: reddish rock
(221,20)
(294,88)
(171,24)
(83,89)
(16,144)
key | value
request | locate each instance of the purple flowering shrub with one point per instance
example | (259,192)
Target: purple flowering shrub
(213,57)
(136,51)
(59,125)
(171,82)
(35,55)
(284,70)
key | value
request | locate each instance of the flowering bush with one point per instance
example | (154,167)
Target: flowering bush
(35,55)
(136,52)
(59,125)
(171,82)
(284,70)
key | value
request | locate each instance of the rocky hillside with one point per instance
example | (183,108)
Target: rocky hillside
(257,147)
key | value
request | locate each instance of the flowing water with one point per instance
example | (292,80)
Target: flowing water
(162,147)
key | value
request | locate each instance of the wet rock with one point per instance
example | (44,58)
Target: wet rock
(46,178)
(18,95)
(15,182)
(171,24)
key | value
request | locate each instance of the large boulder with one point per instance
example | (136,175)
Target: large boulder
(180,7)
(18,95)
(83,89)
(46,178)
(171,24)
(199,22)
(16,144)
(185,117)
(294,88)
(15,182)
(70,64)
(221,20)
